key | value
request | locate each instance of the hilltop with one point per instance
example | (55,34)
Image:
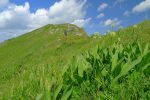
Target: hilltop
(52,47)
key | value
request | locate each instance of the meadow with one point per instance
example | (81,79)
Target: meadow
(46,65)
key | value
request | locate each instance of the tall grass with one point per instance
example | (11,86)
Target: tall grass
(119,72)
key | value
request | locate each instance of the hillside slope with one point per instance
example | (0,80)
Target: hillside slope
(47,45)
(55,45)
(139,32)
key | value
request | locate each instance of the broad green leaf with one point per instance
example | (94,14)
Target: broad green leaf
(98,81)
(140,48)
(145,66)
(146,50)
(114,61)
(104,72)
(67,94)
(82,65)
(120,48)
(127,67)
(58,89)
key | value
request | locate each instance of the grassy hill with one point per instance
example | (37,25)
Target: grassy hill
(47,45)
(49,63)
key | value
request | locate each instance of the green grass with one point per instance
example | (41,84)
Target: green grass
(45,64)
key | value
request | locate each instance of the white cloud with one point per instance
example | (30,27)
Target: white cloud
(102,7)
(112,21)
(101,15)
(81,22)
(126,13)
(61,12)
(39,18)
(16,17)
(143,6)
(118,2)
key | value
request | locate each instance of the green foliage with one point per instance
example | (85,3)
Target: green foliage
(100,73)
(45,65)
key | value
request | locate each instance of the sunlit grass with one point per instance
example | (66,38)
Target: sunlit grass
(45,66)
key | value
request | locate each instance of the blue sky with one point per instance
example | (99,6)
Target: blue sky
(116,10)
(21,16)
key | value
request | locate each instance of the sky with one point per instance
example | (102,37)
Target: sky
(21,16)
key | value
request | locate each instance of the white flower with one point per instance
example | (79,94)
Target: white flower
(113,33)
(135,26)
(99,37)
(94,37)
